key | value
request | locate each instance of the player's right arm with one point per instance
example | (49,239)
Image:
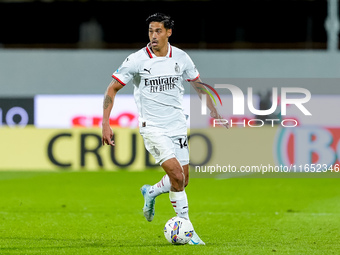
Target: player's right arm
(110,95)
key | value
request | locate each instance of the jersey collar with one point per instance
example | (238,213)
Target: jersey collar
(152,55)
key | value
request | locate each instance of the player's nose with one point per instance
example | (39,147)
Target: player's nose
(154,35)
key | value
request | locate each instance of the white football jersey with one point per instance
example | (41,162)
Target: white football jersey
(158,88)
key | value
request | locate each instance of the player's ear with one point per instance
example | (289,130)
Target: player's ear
(169,32)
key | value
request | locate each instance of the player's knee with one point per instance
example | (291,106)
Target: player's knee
(178,181)
(179,177)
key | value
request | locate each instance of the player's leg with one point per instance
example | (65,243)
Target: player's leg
(175,173)
(161,148)
(163,186)
(172,155)
(178,175)
(182,153)
(177,193)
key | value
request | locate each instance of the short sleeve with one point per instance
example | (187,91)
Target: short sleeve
(190,73)
(126,71)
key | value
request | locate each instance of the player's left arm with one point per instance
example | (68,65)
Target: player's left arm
(200,89)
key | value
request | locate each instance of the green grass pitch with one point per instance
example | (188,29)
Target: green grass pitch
(101,213)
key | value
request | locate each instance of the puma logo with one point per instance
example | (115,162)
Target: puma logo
(146,70)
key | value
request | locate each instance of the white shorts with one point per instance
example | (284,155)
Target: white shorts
(163,147)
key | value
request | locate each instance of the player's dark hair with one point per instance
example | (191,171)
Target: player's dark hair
(160,17)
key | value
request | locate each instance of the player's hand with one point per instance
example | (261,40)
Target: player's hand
(107,135)
(216,115)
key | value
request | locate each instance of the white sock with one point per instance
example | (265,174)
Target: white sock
(179,202)
(163,186)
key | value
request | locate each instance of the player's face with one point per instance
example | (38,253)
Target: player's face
(158,35)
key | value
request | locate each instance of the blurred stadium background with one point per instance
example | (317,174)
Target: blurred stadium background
(57,57)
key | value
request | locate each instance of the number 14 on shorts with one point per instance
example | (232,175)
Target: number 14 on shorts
(183,142)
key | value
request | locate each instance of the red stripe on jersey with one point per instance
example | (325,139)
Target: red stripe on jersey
(118,80)
(149,52)
(173,201)
(194,78)
(170,55)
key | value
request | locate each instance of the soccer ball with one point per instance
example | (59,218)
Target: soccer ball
(178,230)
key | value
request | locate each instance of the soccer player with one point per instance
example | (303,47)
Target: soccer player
(157,72)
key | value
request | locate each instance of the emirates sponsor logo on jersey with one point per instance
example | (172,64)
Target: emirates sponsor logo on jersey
(161,81)
(160,84)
